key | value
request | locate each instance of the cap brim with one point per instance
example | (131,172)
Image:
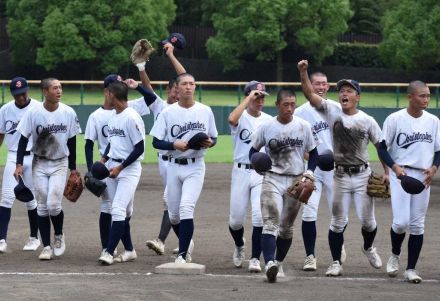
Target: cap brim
(20,91)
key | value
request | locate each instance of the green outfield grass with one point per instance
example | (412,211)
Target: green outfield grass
(93,95)
(221,153)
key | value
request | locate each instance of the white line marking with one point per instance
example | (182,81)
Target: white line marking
(256,276)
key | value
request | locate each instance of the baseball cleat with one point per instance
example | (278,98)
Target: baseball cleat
(126,256)
(393,265)
(373,257)
(271,271)
(3,246)
(59,246)
(156,245)
(46,253)
(188,257)
(32,244)
(335,269)
(254,266)
(238,256)
(280,273)
(180,259)
(176,250)
(106,258)
(343,254)
(412,276)
(310,263)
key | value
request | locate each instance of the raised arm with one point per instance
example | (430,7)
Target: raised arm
(169,50)
(235,115)
(306,85)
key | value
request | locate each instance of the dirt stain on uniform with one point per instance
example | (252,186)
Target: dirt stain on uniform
(348,142)
(46,144)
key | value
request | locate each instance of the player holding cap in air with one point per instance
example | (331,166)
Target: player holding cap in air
(245,182)
(53,127)
(10,116)
(158,244)
(324,178)
(172,130)
(352,131)
(285,138)
(123,154)
(410,145)
(97,130)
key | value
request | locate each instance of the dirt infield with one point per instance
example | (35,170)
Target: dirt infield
(78,276)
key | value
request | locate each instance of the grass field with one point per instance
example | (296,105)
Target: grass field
(221,153)
(93,95)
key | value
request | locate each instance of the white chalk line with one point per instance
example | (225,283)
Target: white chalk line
(256,276)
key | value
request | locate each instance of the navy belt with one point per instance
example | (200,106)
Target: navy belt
(182,161)
(164,157)
(415,168)
(244,165)
(117,160)
(352,169)
(27,153)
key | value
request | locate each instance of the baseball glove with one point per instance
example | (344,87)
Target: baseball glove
(141,51)
(74,187)
(302,189)
(94,185)
(376,188)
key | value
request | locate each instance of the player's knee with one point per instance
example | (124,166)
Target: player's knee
(7,202)
(416,229)
(286,233)
(174,219)
(106,207)
(400,228)
(369,225)
(270,228)
(235,225)
(31,205)
(54,209)
(118,213)
(257,222)
(338,224)
(186,211)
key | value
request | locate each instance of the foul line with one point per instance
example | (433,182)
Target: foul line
(256,276)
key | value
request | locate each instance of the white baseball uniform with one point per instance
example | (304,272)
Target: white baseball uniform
(49,132)
(10,116)
(186,170)
(323,179)
(286,145)
(97,130)
(245,182)
(125,130)
(411,144)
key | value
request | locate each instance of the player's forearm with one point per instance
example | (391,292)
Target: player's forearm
(21,149)
(71,145)
(252,151)
(176,64)
(313,159)
(306,85)
(436,161)
(162,144)
(105,154)
(2,137)
(149,96)
(235,115)
(146,82)
(88,149)
(383,154)
(138,150)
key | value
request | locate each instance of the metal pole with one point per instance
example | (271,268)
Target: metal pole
(82,93)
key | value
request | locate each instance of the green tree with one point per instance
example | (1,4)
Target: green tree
(189,13)
(411,39)
(264,28)
(366,17)
(98,32)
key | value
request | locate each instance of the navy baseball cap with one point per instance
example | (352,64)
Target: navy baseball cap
(19,85)
(326,162)
(99,170)
(411,185)
(111,78)
(349,82)
(23,193)
(255,85)
(177,39)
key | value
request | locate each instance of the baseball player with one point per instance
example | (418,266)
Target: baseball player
(352,131)
(123,154)
(186,169)
(97,130)
(410,146)
(10,115)
(53,127)
(245,182)
(324,179)
(285,139)
(158,244)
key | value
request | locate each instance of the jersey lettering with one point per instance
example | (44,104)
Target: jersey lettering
(320,126)
(245,136)
(277,145)
(116,132)
(10,127)
(51,128)
(179,131)
(404,140)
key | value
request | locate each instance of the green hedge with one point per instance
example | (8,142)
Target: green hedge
(356,55)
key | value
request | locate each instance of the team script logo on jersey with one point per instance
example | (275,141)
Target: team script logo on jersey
(10,127)
(104,131)
(178,131)
(51,128)
(288,142)
(320,126)
(404,140)
(116,132)
(245,136)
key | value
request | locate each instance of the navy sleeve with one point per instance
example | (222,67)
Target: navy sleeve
(107,149)
(88,148)
(149,96)
(71,145)
(436,159)
(313,159)
(252,151)
(214,141)
(162,144)
(384,154)
(22,144)
(135,154)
